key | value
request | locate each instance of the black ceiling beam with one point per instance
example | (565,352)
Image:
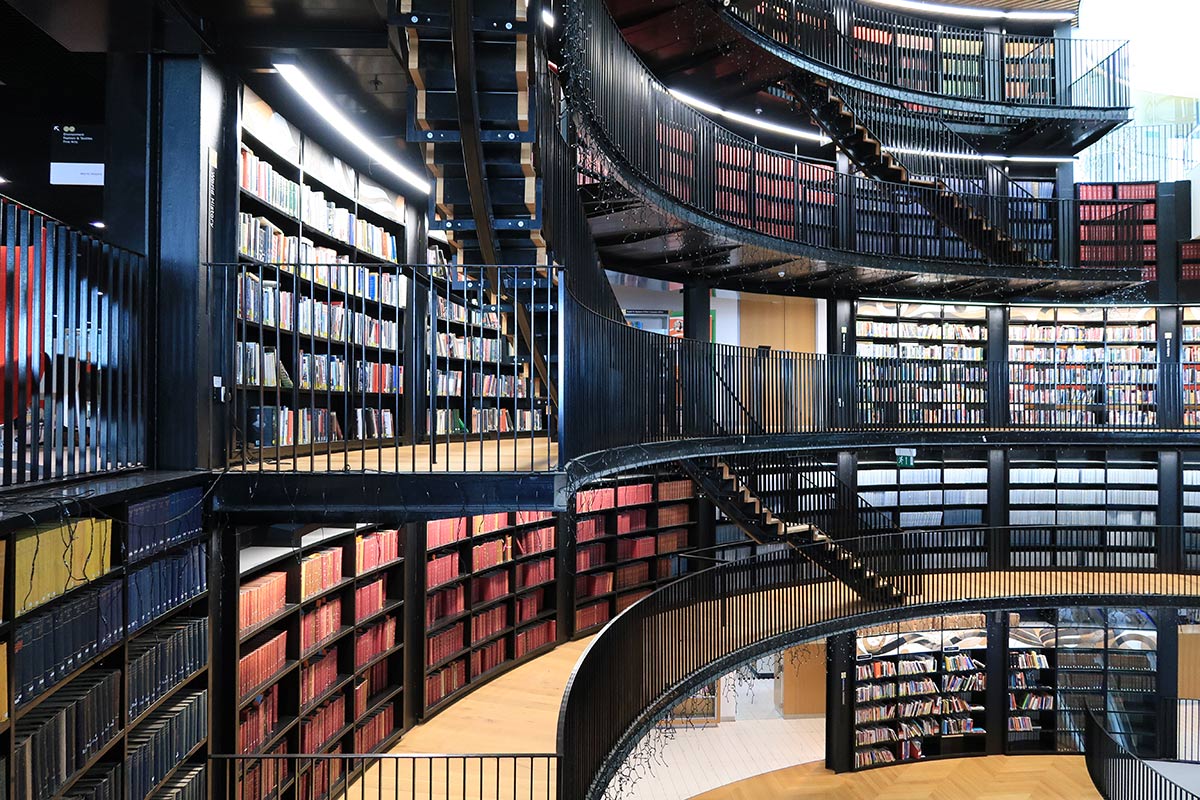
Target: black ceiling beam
(312,36)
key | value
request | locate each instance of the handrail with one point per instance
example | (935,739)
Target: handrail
(708,621)
(678,157)
(75,320)
(898,52)
(656,389)
(1119,772)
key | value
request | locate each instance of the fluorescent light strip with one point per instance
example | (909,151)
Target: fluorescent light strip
(716,111)
(321,104)
(977,13)
(754,122)
(982,156)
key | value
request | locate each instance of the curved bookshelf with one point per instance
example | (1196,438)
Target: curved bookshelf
(682,161)
(904,56)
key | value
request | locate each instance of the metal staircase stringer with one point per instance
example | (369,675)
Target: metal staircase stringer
(739,504)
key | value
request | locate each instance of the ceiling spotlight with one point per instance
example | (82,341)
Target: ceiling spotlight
(99,225)
(3,180)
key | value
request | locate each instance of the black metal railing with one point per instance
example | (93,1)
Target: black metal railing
(913,54)
(1124,770)
(656,389)
(74,345)
(376,776)
(692,629)
(390,368)
(680,157)
(801,488)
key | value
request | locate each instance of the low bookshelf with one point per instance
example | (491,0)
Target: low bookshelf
(490,598)
(318,657)
(94,604)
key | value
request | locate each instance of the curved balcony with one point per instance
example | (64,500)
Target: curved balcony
(666,645)
(812,215)
(966,69)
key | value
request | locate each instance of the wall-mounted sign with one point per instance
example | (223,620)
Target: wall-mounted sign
(905,456)
(76,155)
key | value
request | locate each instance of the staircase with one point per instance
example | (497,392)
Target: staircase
(740,506)
(851,134)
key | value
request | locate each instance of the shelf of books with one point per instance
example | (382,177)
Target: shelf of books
(1189,354)
(942,489)
(319,355)
(490,598)
(1083,365)
(479,384)
(1118,226)
(1029,71)
(1060,660)
(1070,505)
(104,671)
(318,662)
(920,690)
(1190,507)
(926,363)
(628,533)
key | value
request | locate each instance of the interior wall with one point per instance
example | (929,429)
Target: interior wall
(800,680)
(781,323)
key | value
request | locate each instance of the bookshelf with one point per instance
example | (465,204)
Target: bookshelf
(318,658)
(1189,334)
(1062,659)
(920,690)
(628,532)
(93,607)
(898,387)
(478,382)
(1115,492)
(319,355)
(1190,508)
(490,599)
(1029,72)
(943,488)
(1083,365)
(1118,226)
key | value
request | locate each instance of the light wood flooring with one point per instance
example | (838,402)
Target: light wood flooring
(507,455)
(515,713)
(975,778)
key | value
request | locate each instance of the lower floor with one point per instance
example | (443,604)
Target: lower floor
(518,712)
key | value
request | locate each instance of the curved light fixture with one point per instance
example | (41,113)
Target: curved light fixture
(754,122)
(717,111)
(942,9)
(326,109)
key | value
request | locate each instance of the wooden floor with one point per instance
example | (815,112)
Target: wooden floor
(518,712)
(975,778)
(507,455)
(515,713)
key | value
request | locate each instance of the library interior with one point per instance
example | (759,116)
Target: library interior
(599,400)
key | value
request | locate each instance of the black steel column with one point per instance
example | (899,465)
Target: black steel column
(1170,510)
(1174,215)
(1068,218)
(564,571)
(192,227)
(839,708)
(996,513)
(996,716)
(414,622)
(998,378)
(1170,373)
